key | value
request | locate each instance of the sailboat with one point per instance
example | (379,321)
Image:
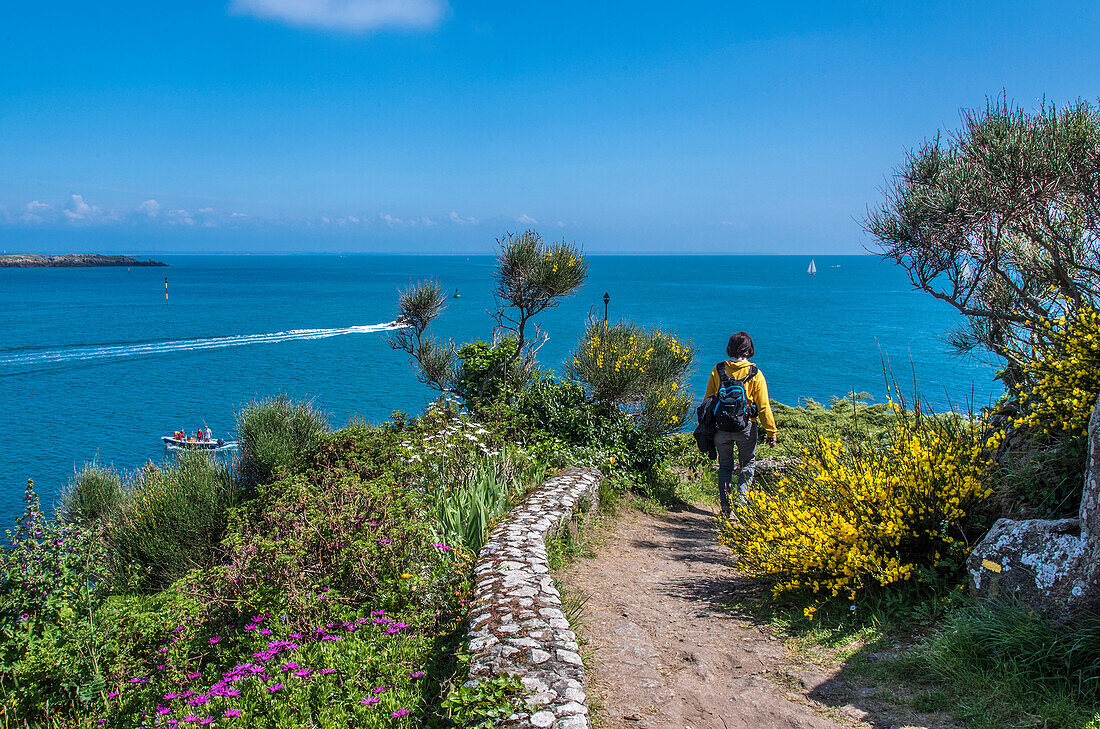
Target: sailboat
(812,270)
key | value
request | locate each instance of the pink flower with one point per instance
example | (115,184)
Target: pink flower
(163,711)
(275,687)
(417,674)
(265,631)
(194,675)
(379,689)
(250,626)
(190,717)
(214,641)
(326,671)
(289,666)
(139,680)
(231,713)
(206,720)
(296,636)
(370,700)
(259,618)
(303,673)
(400,712)
(112,694)
(383,540)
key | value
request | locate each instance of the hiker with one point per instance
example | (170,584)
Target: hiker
(756,413)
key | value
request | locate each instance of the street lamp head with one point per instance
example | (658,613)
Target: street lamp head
(606,297)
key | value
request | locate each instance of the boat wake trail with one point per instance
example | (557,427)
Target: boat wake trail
(35,359)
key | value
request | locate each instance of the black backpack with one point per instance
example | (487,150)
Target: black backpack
(733,408)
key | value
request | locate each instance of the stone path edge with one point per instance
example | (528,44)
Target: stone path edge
(517,625)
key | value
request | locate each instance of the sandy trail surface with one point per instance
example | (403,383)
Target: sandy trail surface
(666,649)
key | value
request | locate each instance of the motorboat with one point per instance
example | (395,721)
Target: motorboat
(193,444)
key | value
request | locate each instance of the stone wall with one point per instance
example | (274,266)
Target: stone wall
(517,625)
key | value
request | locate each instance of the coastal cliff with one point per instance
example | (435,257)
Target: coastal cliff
(71,260)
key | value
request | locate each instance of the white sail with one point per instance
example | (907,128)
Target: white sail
(812,269)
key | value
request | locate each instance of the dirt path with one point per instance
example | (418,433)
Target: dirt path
(667,651)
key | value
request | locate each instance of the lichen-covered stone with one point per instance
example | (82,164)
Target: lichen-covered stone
(1051,565)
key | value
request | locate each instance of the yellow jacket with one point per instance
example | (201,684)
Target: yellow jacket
(756,389)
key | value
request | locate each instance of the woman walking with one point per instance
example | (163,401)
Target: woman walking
(738,370)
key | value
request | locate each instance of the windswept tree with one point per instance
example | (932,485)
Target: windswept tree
(531,277)
(1000,219)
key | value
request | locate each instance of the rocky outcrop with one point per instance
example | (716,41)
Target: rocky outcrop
(71,260)
(517,625)
(1051,565)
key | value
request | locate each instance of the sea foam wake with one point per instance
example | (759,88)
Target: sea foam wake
(25,359)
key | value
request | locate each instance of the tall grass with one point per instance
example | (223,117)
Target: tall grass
(1008,666)
(93,494)
(170,522)
(272,433)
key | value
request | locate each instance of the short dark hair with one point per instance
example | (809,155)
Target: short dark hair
(740,346)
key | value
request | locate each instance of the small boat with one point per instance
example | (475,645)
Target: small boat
(457,295)
(812,270)
(191,444)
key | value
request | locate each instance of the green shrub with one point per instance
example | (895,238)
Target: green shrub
(50,583)
(92,495)
(170,521)
(477,359)
(274,434)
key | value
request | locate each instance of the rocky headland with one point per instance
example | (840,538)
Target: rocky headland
(71,260)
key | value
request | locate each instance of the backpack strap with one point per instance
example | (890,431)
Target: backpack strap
(725,378)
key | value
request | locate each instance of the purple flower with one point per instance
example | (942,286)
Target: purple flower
(206,720)
(163,711)
(190,717)
(161,667)
(198,700)
(296,636)
(231,713)
(101,722)
(139,680)
(214,641)
(379,689)
(400,712)
(383,540)
(333,637)
(259,618)
(370,700)
(372,523)
(289,666)
(250,626)
(112,694)
(303,673)
(194,675)
(275,687)
(162,650)
(326,671)
(171,697)
(265,631)
(417,674)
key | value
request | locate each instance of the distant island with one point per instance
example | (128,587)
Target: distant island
(71,260)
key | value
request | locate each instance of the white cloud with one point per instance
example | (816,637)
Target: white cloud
(460,220)
(390,220)
(179,217)
(33,211)
(346,15)
(80,211)
(526,219)
(150,208)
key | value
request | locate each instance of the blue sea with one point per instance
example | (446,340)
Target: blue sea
(95,365)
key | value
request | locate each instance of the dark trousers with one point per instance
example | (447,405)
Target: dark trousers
(745,445)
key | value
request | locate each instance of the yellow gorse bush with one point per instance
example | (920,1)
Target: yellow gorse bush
(1063,377)
(854,515)
(623,363)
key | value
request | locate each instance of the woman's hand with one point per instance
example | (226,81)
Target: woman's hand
(773,441)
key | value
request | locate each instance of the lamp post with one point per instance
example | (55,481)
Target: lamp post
(606,298)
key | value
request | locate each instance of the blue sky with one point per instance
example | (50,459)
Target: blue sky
(422,125)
